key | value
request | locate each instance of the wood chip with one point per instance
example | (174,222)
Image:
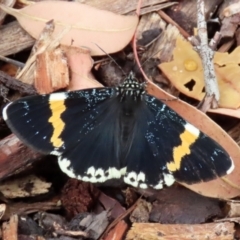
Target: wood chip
(10,229)
(213,231)
(27,186)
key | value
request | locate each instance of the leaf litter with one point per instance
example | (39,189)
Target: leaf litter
(220,188)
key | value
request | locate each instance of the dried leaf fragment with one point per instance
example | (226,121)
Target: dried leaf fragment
(89,25)
(186,73)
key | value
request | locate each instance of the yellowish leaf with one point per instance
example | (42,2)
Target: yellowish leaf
(186,73)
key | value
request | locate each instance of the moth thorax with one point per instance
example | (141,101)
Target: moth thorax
(130,90)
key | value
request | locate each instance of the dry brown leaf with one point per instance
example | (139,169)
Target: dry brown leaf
(186,73)
(89,25)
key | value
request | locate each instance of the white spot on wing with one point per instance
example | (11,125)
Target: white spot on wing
(135,179)
(189,127)
(168,179)
(91,175)
(56,153)
(143,185)
(64,165)
(58,96)
(159,185)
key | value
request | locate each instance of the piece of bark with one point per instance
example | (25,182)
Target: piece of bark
(15,157)
(169,20)
(46,66)
(111,204)
(51,72)
(27,226)
(10,229)
(165,43)
(181,206)
(65,232)
(152,231)
(93,224)
(234,209)
(141,212)
(229,24)
(47,221)
(34,237)
(185,13)
(14,39)
(237,36)
(23,208)
(26,186)
(222,9)
(15,84)
(78,197)
(125,6)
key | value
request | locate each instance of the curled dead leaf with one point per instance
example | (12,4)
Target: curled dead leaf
(89,25)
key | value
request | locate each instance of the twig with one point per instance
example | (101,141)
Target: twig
(14,62)
(206,54)
(15,84)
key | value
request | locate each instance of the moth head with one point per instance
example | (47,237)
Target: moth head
(131,88)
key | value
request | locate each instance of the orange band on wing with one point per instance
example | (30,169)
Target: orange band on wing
(57,108)
(187,139)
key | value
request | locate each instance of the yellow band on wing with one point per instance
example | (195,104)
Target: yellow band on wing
(57,108)
(187,139)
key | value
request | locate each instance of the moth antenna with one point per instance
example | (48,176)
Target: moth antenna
(111,59)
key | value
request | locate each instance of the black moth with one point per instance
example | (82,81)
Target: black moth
(111,133)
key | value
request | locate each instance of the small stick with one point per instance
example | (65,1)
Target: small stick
(206,54)
(14,62)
